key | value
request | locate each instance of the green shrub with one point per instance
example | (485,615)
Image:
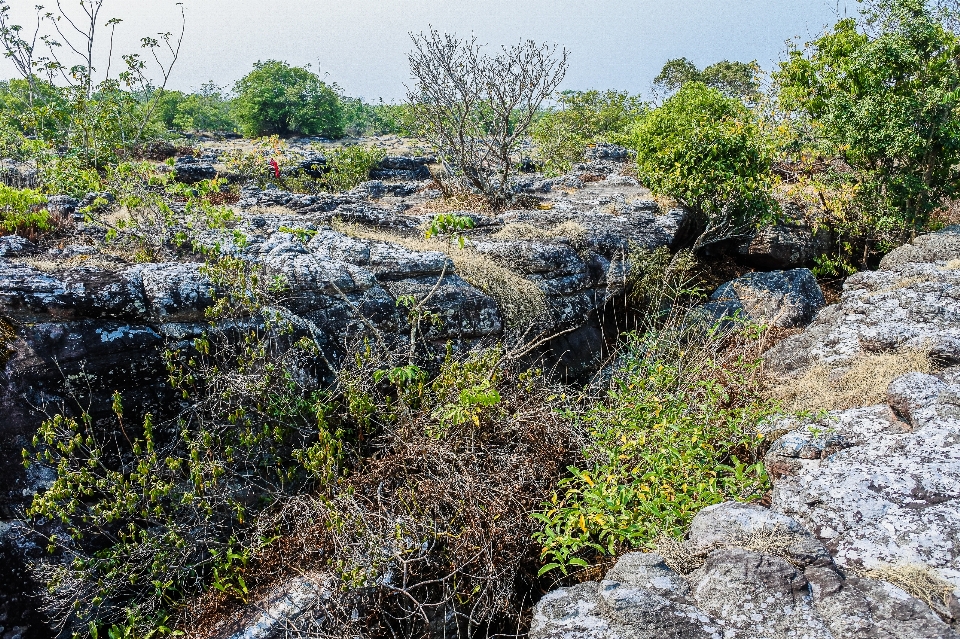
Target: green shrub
(349,166)
(583,118)
(206,110)
(67,175)
(362,119)
(22,212)
(709,152)
(675,433)
(276,98)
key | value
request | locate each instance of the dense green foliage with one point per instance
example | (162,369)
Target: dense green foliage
(23,211)
(709,152)
(276,98)
(562,134)
(882,95)
(361,118)
(206,110)
(675,433)
(733,79)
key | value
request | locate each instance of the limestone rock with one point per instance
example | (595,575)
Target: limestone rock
(15,246)
(733,524)
(783,246)
(907,304)
(189,170)
(785,299)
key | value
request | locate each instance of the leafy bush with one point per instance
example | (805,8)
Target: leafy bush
(878,97)
(276,98)
(675,433)
(67,175)
(709,152)
(22,212)
(583,118)
(362,119)
(349,166)
(206,110)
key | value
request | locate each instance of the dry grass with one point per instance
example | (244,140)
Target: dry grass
(773,542)
(863,383)
(523,305)
(451,203)
(676,556)
(921,582)
(572,231)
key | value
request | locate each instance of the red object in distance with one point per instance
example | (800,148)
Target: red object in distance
(276,167)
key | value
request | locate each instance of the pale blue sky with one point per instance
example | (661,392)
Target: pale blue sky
(361,44)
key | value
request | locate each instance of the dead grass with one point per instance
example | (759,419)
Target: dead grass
(449,204)
(921,582)
(676,556)
(773,542)
(523,231)
(523,305)
(863,383)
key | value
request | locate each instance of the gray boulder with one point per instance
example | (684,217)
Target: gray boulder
(908,304)
(756,595)
(190,170)
(785,299)
(736,592)
(891,494)
(611,610)
(940,247)
(783,246)
(733,524)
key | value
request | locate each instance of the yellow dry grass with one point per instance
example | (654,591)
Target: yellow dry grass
(863,383)
(919,581)
(570,230)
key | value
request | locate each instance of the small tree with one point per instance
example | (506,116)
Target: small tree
(276,98)
(707,151)
(583,118)
(476,108)
(882,95)
(733,79)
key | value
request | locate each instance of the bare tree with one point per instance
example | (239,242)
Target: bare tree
(17,49)
(476,108)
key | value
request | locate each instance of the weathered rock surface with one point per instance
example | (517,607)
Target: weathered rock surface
(783,246)
(909,303)
(736,592)
(786,299)
(189,170)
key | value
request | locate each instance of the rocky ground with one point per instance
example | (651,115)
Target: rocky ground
(863,534)
(81,322)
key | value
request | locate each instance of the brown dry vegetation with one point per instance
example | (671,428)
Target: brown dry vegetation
(862,382)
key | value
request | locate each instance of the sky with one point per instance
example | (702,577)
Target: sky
(361,44)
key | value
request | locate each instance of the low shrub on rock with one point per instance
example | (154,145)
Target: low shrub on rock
(707,151)
(23,212)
